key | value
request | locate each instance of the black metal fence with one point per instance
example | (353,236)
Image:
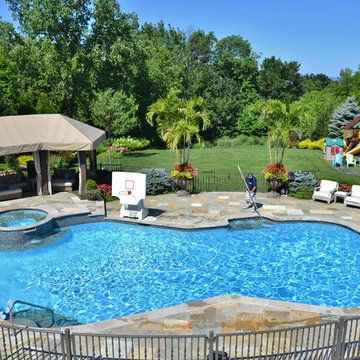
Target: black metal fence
(231,181)
(337,340)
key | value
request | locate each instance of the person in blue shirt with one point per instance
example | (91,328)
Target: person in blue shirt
(250,196)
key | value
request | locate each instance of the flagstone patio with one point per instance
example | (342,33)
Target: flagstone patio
(206,209)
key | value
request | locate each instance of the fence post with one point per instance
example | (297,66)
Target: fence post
(339,337)
(211,346)
(67,344)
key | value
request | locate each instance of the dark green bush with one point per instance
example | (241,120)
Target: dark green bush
(91,185)
(158,181)
(303,192)
(12,161)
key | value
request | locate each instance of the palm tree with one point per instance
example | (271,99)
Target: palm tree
(178,122)
(280,119)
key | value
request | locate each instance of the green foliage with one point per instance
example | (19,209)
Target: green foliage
(318,107)
(304,192)
(103,146)
(158,181)
(12,161)
(302,185)
(107,156)
(59,161)
(280,80)
(343,115)
(131,144)
(44,105)
(241,140)
(248,123)
(91,185)
(92,61)
(178,121)
(22,159)
(115,112)
(308,144)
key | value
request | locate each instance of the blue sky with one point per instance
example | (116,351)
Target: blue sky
(323,35)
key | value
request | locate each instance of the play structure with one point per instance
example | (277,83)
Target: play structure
(130,188)
(352,137)
(338,150)
(333,147)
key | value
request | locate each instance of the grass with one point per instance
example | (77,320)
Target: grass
(250,158)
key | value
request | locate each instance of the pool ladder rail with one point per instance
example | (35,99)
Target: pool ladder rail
(33,305)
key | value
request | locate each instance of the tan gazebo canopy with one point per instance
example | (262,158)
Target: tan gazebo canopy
(41,133)
(28,133)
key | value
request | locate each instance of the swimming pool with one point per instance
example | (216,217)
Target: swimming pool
(106,270)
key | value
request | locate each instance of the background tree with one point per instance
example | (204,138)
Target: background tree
(318,107)
(115,112)
(178,121)
(280,80)
(342,116)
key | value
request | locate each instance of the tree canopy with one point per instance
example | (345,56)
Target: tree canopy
(76,56)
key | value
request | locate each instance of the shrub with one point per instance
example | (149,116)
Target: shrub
(304,144)
(23,159)
(106,190)
(103,146)
(12,161)
(302,185)
(91,185)
(241,140)
(303,192)
(158,181)
(131,144)
(61,160)
(308,144)
(299,179)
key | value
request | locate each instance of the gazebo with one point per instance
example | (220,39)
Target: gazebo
(42,133)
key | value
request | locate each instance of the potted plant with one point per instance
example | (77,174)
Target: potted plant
(183,175)
(179,121)
(275,175)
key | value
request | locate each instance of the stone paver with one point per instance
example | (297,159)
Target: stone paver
(199,210)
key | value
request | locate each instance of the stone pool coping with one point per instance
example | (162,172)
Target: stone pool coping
(225,313)
(221,314)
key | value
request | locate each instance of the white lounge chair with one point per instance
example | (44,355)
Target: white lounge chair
(354,198)
(326,191)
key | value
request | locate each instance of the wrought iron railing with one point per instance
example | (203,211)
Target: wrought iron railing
(231,181)
(337,340)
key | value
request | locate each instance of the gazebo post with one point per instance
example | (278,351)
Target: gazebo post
(82,171)
(44,158)
(93,162)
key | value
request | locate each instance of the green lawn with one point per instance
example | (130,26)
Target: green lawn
(250,158)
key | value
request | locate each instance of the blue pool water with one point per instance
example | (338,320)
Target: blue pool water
(15,218)
(105,270)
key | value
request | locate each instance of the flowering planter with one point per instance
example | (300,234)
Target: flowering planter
(274,185)
(182,184)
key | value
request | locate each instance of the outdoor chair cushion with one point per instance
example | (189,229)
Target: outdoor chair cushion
(328,186)
(354,198)
(326,191)
(12,192)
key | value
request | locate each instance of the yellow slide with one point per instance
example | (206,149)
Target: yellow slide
(353,151)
